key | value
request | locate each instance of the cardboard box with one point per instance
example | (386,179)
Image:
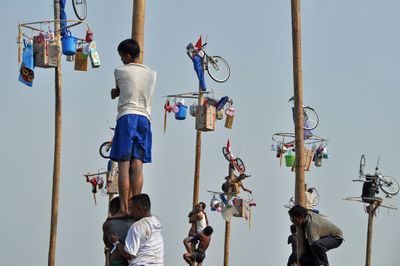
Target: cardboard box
(112,183)
(240,205)
(308,155)
(81,61)
(45,54)
(94,55)
(205,118)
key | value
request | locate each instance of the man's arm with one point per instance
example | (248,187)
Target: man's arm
(195,217)
(106,233)
(120,248)
(245,189)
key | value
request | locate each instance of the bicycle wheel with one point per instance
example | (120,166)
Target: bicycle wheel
(389,185)
(311,119)
(316,196)
(80,8)
(226,153)
(218,68)
(362,166)
(104,149)
(239,165)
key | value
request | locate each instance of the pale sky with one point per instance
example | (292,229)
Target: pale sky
(350,76)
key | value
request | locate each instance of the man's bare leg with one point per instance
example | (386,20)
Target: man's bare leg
(123,186)
(136,176)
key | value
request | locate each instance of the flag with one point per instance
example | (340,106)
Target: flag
(198,43)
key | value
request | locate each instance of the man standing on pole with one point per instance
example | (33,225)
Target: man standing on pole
(132,142)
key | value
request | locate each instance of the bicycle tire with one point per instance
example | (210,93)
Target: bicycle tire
(311,118)
(362,166)
(104,149)
(80,9)
(239,165)
(226,153)
(218,69)
(389,185)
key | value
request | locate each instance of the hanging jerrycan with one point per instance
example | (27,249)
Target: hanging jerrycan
(289,158)
(220,114)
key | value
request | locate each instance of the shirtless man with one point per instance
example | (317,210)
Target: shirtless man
(200,252)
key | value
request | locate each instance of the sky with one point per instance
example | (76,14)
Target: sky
(350,76)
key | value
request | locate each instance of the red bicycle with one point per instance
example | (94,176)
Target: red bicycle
(237,163)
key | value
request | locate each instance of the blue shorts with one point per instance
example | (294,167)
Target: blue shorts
(132,139)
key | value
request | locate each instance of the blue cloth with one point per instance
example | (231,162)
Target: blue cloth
(198,67)
(63,18)
(132,139)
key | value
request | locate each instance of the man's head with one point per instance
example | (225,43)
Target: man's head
(201,206)
(129,50)
(114,206)
(140,206)
(298,215)
(208,230)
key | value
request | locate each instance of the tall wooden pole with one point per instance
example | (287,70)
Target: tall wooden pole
(139,11)
(298,115)
(372,209)
(196,183)
(228,225)
(57,142)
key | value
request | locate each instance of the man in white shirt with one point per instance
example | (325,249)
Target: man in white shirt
(144,244)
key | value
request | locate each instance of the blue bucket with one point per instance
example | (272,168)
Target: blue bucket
(181,114)
(68,44)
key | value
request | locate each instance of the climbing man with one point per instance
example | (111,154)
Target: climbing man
(115,225)
(199,254)
(321,235)
(144,244)
(199,221)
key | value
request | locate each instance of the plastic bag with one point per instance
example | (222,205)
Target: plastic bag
(26,74)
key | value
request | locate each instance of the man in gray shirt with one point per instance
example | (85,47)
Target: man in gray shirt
(321,235)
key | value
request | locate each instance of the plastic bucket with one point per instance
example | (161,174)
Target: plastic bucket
(289,159)
(181,114)
(68,45)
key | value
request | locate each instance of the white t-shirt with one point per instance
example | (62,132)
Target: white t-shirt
(145,241)
(136,83)
(201,224)
(309,200)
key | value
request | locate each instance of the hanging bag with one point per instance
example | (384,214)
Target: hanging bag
(26,74)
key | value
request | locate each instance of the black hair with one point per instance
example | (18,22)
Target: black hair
(129,46)
(298,211)
(141,200)
(208,230)
(203,205)
(114,205)
(293,228)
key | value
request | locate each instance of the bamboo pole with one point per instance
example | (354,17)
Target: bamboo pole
(139,11)
(57,142)
(372,209)
(228,225)
(298,114)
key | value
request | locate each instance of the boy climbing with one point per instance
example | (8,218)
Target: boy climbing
(199,253)
(132,142)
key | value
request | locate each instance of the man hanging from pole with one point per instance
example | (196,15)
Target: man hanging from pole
(321,235)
